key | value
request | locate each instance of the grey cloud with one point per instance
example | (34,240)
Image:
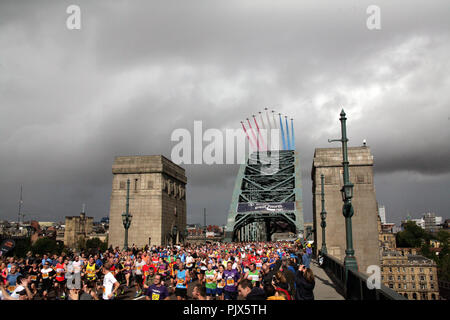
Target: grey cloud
(73,100)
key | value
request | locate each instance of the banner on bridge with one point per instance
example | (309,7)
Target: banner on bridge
(267,207)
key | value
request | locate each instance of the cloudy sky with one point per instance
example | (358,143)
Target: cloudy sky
(72,100)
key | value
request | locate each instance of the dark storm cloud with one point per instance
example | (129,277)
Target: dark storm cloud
(137,70)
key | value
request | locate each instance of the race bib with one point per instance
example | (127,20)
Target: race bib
(155,296)
(209,280)
(180,281)
(11,288)
(254,278)
(230,282)
(58,274)
(33,278)
(44,275)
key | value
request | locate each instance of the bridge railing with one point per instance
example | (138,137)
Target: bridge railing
(355,286)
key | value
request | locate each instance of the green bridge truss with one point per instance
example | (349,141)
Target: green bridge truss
(267,197)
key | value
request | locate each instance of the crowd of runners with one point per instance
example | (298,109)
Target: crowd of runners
(220,271)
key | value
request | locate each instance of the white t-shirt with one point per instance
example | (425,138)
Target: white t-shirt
(15,293)
(108,283)
(77,266)
(45,272)
(189,261)
(139,266)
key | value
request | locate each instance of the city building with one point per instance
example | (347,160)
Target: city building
(157,201)
(386,237)
(432,223)
(411,275)
(382,213)
(429,222)
(404,270)
(76,229)
(328,161)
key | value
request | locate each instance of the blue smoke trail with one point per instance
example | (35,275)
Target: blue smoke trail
(292,132)
(287,134)
(282,133)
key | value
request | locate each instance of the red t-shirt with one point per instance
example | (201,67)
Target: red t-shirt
(59,269)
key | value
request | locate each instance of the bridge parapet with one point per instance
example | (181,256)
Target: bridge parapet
(355,286)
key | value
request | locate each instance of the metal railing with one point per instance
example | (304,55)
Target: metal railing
(355,286)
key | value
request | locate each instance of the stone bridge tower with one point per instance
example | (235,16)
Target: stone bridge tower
(328,161)
(157,201)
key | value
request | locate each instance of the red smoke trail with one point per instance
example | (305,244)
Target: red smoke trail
(264,148)
(249,140)
(253,134)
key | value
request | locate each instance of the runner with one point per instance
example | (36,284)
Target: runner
(11,278)
(231,277)
(138,280)
(182,278)
(157,291)
(110,283)
(128,270)
(34,275)
(211,282)
(60,270)
(47,275)
(220,282)
(253,275)
(162,270)
(90,272)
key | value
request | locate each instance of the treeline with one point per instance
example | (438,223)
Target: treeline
(51,246)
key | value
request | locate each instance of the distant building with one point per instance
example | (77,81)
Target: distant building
(382,213)
(431,222)
(386,237)
(413,276)
(77,228)
(403,270)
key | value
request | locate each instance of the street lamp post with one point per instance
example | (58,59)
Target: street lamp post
(126,217)
(323,216)
(347,195)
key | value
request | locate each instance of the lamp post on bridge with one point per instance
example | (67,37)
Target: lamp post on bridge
(347,195)
(126,217)
(323,216)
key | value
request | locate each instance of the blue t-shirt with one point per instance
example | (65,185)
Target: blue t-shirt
(99,263)
(305,260)
(12,278)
